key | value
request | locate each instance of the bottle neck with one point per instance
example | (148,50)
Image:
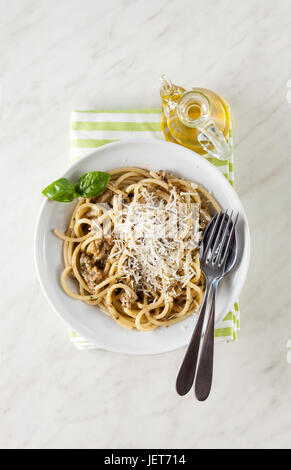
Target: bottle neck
(193,109)
(166,86)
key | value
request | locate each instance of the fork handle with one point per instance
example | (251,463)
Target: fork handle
(205,368)
(187,370)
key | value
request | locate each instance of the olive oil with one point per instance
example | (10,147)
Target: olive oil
(198,119)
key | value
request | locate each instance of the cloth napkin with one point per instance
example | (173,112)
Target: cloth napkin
(92,129)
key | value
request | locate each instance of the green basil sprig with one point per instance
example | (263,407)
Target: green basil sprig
(90,184)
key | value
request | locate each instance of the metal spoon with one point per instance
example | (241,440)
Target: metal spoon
(213,258)
(205,369)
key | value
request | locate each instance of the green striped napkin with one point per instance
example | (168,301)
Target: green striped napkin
(92,129)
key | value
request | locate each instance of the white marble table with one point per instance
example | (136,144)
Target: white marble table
(56,56)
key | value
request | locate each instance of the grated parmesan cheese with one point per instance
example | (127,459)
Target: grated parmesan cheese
(158,239)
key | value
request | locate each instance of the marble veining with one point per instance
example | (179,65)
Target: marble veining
(58,56)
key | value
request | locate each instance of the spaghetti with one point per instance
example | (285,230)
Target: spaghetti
(134,250)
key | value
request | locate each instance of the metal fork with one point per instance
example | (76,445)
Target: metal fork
(213,262)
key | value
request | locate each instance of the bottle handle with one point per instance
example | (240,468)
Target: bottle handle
(213,141)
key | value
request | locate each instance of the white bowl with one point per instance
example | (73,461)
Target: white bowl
(90,322)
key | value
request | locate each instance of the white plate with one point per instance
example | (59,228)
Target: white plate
(89,321)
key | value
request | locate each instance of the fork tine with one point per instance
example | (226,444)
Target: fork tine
(211,237)
(217,241)
(224,258)
(223,237)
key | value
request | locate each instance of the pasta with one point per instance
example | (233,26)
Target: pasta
(134,250)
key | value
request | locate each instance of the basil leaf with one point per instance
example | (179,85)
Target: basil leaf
(89,185)
(92,184)
(61,190)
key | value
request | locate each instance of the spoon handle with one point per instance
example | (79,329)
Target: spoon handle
(187,370)
(205,368)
